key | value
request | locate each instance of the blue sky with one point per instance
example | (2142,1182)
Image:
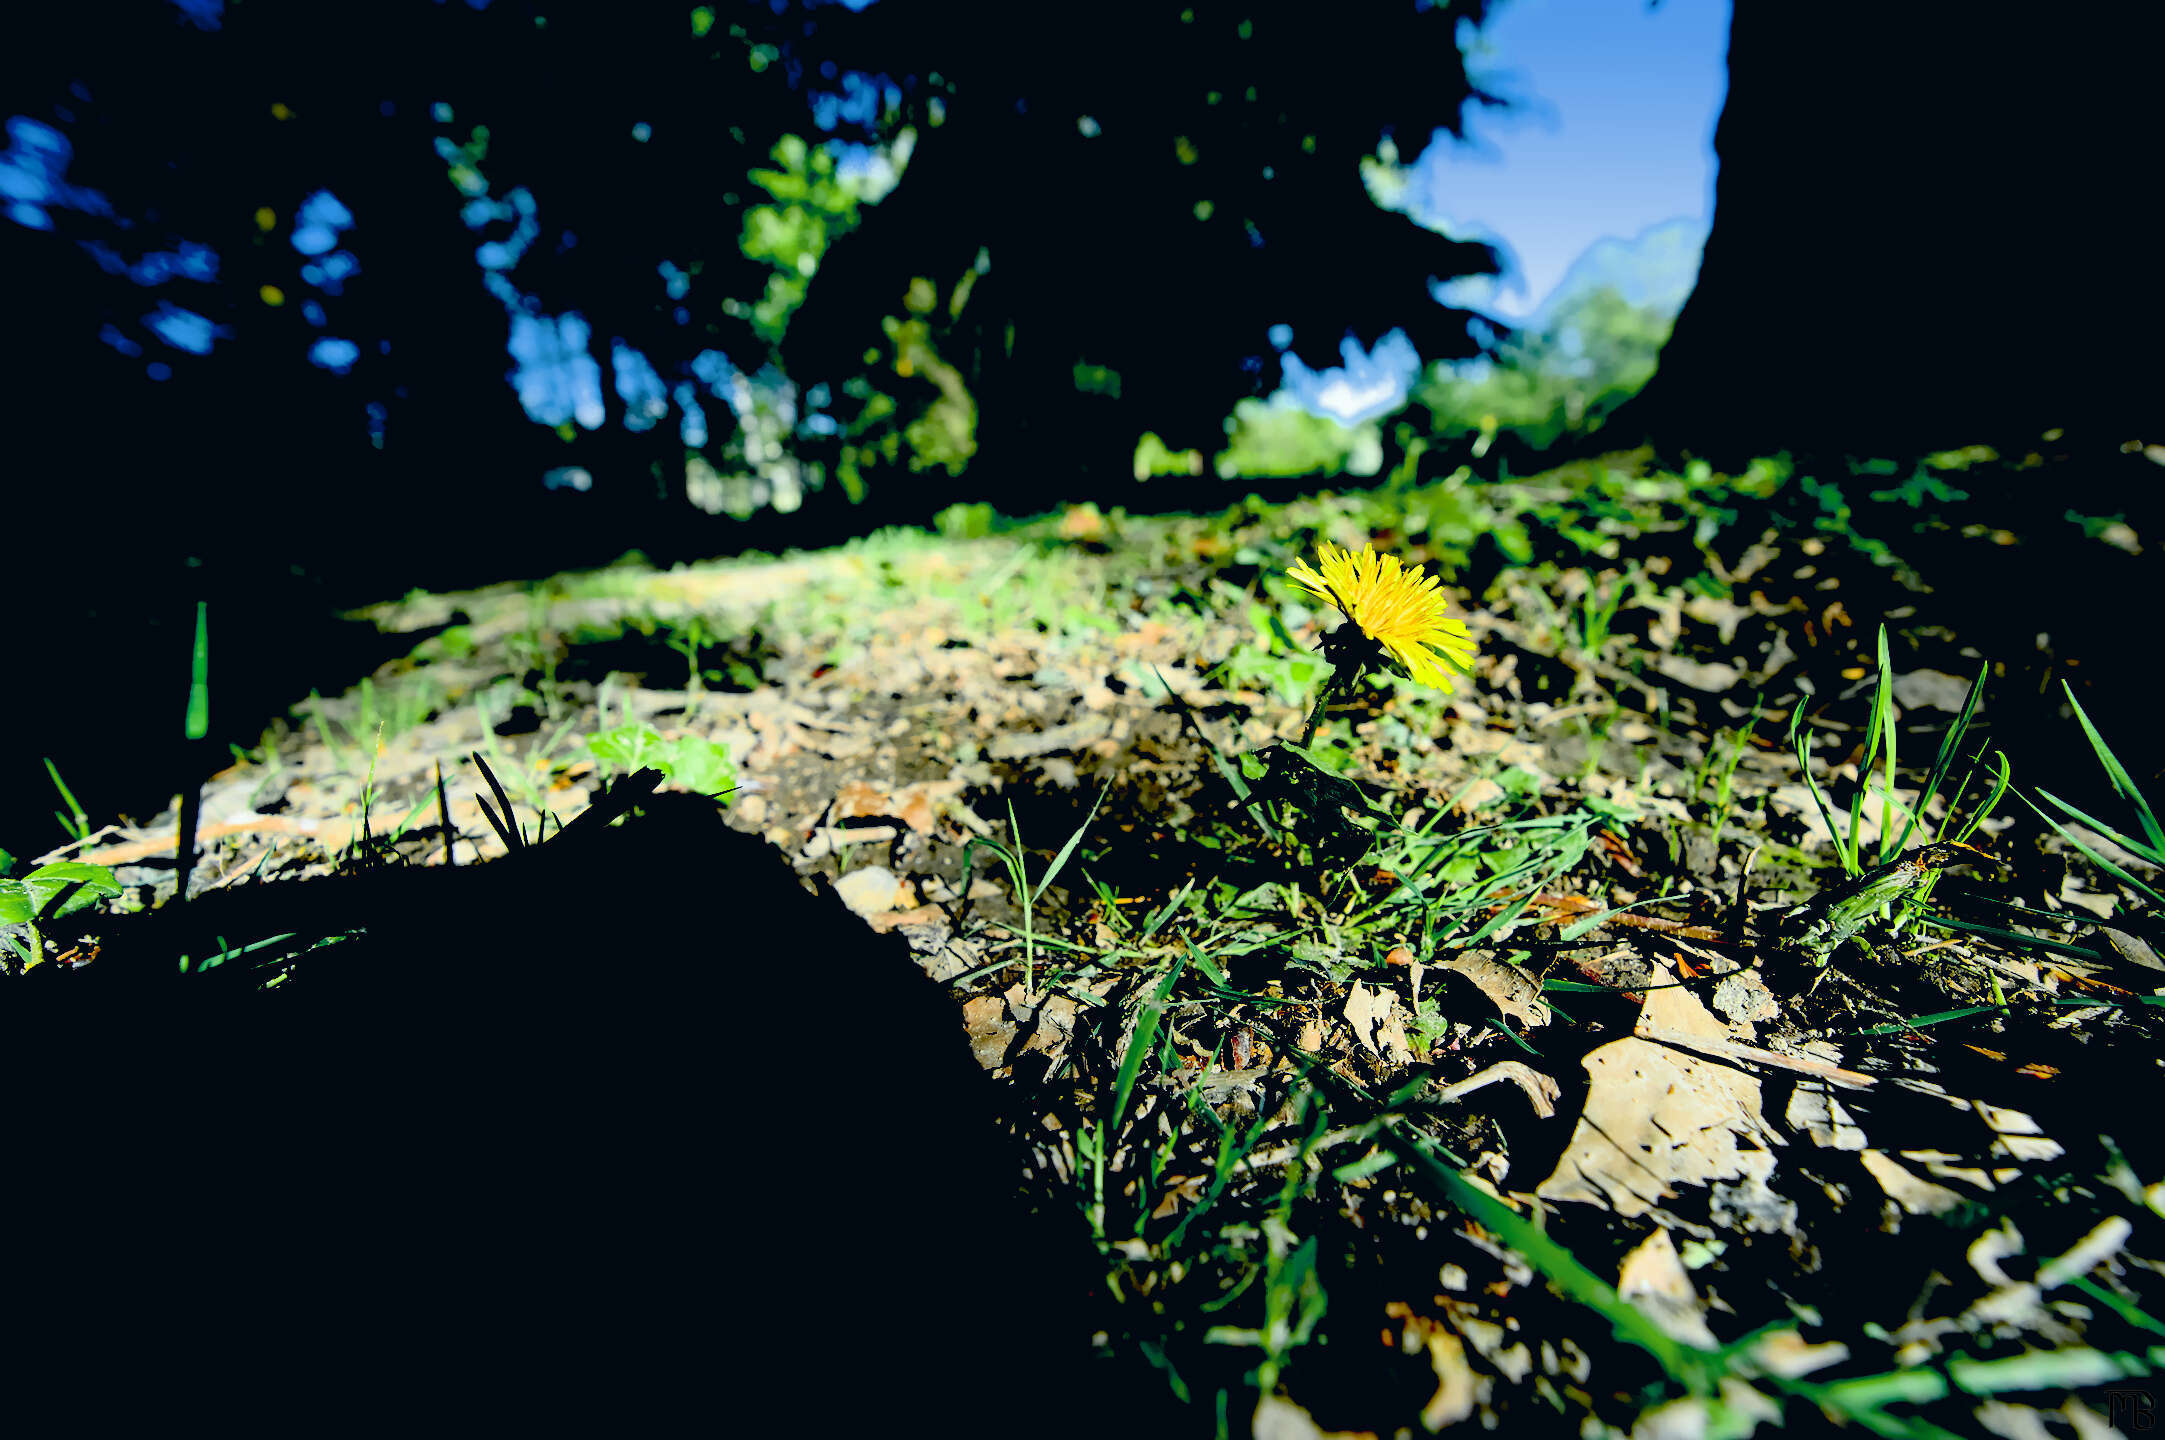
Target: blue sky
(1615,135)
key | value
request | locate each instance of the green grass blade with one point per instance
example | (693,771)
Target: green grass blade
(2018,940)
(1879,734)
(2102,863)
(1999,790)
(1207,968)
(1695,1369)
(1242,794)
(2125,842)
(1950,746)
(1940,1017)
(1172,907)
(1800,739)
(506,828)
(443,813)
(2120,780)
(1059,861)
(1141,1043)
(78,821)
(198,721)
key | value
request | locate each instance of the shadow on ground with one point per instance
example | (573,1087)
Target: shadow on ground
(622,1128)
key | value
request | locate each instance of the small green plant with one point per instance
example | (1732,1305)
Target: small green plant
(1879,751)
(1720,768)
(1879,742)
(322,717)
(1096,1141)
(1294,1300)
(1273,661)
(1596,611)
(973,521)
(1893,875)
(690,638)
(1463,888)
(533,651)
(497,705)
(1016,860)
(44,895)
(699,765)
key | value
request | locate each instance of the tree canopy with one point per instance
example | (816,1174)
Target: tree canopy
(1123,205)
(418,263)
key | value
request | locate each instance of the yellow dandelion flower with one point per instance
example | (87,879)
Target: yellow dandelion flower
(1394,605)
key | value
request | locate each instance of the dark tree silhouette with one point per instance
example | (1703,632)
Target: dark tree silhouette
(1151,188)
(1928,232)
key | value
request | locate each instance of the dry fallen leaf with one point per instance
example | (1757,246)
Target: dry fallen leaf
(1539,1088)
(919,806)
(1652,1279)
(1513,991)
(1378,1023)
(1917,1196)
(1688,1418)
(920,915)
(858,799)
(875,890)
(2017,1134)
(1823,1119)
(1672,1012)
(1180,1190)
(1654,1118)
(1788,1354)
(984,1018)
(1055,1026)
(1278,1418)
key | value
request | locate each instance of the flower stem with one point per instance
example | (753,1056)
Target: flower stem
(1347,666)
(1315,716)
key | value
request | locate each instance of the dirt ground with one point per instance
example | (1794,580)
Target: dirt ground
(1901,1189)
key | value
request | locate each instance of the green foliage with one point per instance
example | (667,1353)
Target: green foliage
(944,433)
(1562,379)
(812,205)
(45,894)
(1278,437)
(929,420)
(1596,612)
(1154,457)
(972,520)
(699,765)
(1922,489)
(1837,517)
(1452,515)
(28,899)
(1273,660)
(1097,380)
(197,722)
